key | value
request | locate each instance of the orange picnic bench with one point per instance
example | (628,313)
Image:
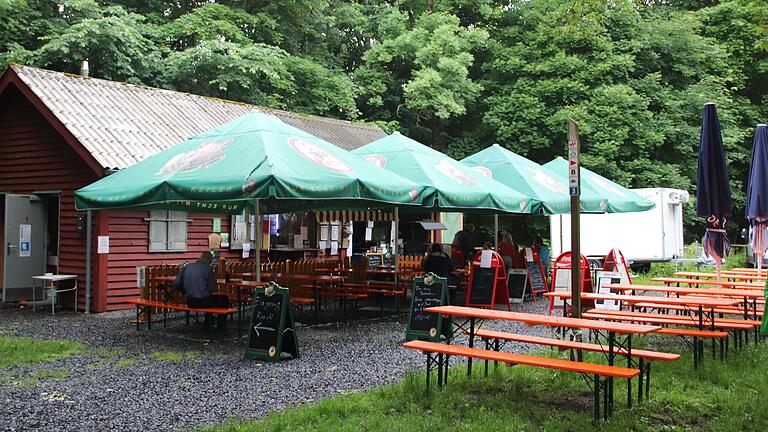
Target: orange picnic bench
(436,351)
(146,306)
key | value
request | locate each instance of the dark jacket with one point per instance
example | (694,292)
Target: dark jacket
(439,264)
(463,241)
(197,280)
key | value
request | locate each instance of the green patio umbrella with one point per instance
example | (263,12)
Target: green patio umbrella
(532,179)
(254,157)
(617,198)
(257,161)
(449,184)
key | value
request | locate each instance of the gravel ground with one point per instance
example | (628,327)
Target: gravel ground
(121,383)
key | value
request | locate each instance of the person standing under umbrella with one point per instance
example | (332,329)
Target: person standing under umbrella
(713,190)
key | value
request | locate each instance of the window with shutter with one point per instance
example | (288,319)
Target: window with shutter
(167,231)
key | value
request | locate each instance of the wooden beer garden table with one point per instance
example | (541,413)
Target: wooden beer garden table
(749,297)
(476,316)
(705,282)
(729,276)
(696,304)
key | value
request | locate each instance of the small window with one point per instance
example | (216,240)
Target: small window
(167,231)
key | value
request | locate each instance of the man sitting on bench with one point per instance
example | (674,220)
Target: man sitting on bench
(198,281)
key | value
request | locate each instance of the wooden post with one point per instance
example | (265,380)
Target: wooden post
(574,187)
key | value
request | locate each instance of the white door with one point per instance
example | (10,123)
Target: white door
(24,249)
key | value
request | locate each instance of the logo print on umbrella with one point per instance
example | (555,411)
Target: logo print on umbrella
(317,155)
(206,154)
(484,171)
(379,161)
(449,170)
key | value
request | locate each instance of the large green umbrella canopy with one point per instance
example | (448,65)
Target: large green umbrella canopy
(256,156)
(616,197)
(530,178)
(449,184)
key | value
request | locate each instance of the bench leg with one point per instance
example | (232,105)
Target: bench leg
(148,310)
(647,380)
(606,386)
(597,397)
(138,314)
(629,365)
(209,325)
(640,381)
(445,369)
(695,352)
(440,370)
(471,344)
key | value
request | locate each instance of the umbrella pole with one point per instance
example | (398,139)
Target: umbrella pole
(496,232)
(258,240)
(718,266)
(395,250)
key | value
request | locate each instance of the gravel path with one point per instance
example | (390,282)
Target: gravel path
(123,382)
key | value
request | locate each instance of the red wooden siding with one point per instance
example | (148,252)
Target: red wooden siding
(129,248)
(33,157)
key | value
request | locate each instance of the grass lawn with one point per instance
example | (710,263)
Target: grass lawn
(20,350)
(719,396)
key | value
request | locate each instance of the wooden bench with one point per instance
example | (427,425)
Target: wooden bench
(724,310)
(644,357)
(688,320)
(696,334)
(436,351)
(145,306)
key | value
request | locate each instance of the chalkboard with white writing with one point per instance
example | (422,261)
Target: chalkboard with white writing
(428,291)
(272,330)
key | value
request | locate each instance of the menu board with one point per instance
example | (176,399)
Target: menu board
(428,291)
(516,281)
(374,260)
(272,330)
(604,278)
(481,286)
(536,278)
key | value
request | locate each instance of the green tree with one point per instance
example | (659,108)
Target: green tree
(118,45)
(421,67)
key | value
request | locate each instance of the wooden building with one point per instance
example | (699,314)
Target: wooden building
(60,132)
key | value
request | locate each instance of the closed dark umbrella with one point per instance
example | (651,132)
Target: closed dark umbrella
(757,193)
(713,190)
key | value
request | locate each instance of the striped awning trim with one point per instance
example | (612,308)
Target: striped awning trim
(355,216)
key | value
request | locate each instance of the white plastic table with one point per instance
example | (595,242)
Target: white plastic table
(54,280)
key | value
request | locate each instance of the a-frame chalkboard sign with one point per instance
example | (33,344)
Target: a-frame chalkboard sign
(272,330)
(428,291)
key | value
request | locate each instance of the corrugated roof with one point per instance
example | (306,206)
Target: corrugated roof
(121,124)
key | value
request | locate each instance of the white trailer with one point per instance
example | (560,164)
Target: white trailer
(643,237)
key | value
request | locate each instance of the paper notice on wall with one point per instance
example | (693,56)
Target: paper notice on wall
(103,245)
(368,234)
(323,232)
(298,242)
(485,258)
(304,231)
(224,239)
(239,219)
(240,234)
(370,224)
(246,250)
(334,233)
(25,240)
(528,254)
(322,244)
(334,248)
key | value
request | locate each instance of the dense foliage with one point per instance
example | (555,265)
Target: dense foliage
(456,74)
